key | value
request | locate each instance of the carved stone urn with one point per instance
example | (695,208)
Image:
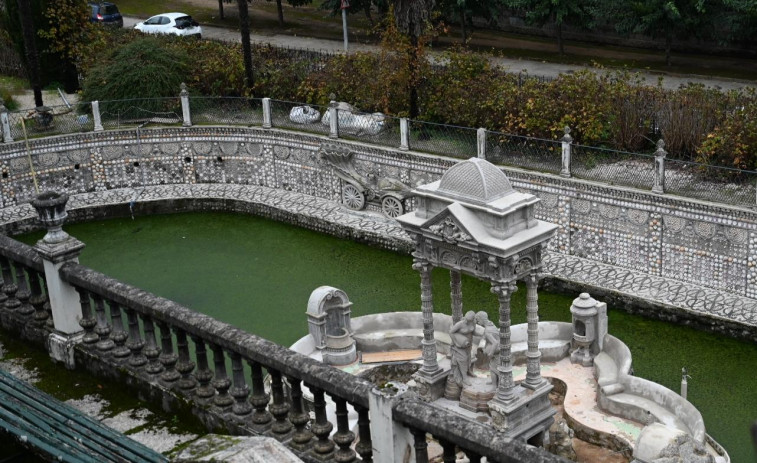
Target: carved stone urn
(51,207)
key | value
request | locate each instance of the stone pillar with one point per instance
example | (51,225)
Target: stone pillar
(533,355)
(481,143)
(391,441)
(505,389)
(430,378)
(267,113)
(184,95)
(566,149)
(7,137)
(333,119)
(659,168)
(56,249)
(96,116)
(404,138)
(456,295)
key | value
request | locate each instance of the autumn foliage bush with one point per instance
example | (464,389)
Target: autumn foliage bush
(610,109)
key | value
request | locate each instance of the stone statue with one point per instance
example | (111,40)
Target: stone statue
(461,335)
(491,348)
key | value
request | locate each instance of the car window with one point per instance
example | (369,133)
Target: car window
(110,9)
(153,20)
(164,20)
(185,21)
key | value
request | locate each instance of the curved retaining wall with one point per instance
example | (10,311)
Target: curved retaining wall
(630,247)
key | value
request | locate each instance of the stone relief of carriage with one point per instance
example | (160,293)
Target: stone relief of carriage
(358,190)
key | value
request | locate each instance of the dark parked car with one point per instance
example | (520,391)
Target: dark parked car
(106,13)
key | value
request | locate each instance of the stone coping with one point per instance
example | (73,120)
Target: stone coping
(709,308)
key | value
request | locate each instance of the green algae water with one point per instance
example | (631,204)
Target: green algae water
(258,275)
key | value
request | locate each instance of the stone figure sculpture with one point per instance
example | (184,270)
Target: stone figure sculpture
(491,348)
(461,335)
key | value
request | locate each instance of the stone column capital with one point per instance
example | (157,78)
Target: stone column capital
(502,289)
(421,264)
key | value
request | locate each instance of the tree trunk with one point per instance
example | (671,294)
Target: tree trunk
(244,29)
(220,9)
(367,10)
(462,24)
(560,46)
(30,47)
(280,9)
(668,46)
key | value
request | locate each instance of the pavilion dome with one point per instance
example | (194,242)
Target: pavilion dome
(475,180)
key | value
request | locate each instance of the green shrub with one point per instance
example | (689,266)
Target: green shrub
(733,142)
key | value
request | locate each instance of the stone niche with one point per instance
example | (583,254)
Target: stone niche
(329,324)
(589,329)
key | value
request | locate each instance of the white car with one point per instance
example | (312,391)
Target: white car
(170,23)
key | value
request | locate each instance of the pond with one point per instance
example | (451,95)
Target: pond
(258,275)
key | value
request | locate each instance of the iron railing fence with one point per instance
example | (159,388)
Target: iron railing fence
(525,152)
(711,183)
(226,110)
(614,167)
(299,116)
(621,168)
(447,140)
(124,114)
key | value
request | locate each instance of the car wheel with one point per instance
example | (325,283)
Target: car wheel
(352,197)
(392,207)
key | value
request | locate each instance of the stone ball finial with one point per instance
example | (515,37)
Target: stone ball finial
(51,208)
(184,91)
(660,148)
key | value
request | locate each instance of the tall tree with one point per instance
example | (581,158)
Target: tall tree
(244,29)
(412,18)
(539,12)
(30,48)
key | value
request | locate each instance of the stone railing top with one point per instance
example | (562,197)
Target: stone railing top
(20,252)
(334,381)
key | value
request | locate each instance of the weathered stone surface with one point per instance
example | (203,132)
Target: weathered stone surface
(658,443)
(230,449)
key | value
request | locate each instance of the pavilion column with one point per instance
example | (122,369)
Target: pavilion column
(430,365)
(505,389)
(533,355)
(456,295)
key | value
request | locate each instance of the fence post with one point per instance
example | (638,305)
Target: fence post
(267,113)
(185,106)
(96,116)
(566,152)
(404,139)
(56,249)
(7,137)
(333,119)
(481,142)
(659,168)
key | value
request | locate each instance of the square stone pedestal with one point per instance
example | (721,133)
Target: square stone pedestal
(528,415)
(61,347)
(430,387)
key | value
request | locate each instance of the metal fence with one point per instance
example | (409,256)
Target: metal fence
(525,152)
(621,168)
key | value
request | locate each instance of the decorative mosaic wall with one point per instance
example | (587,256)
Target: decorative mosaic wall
(679,239)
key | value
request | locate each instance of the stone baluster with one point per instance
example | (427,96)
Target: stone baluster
(119,336)
(473,457)
(102,328)
(168,357)
(448,451)
(456,295)
(38,299)
(280,407)
(241,390)
(322,427)
(259,398)
(135,342)
(3,297)
(48,305)
(533,355)
(364,445)
(343,437)
(505,392)
(299,417)
(88,321)
(23,294)
(185,366)
(420,444)
(151,349)
(203,374)
(221,382)
(9,285)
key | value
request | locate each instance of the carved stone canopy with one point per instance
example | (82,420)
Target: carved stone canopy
(472,220)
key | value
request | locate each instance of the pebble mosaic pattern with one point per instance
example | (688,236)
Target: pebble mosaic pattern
(693,255)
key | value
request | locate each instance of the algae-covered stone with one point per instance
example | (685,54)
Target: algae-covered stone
(231,449)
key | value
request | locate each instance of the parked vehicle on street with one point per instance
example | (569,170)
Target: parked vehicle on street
(105,13)
(170,23)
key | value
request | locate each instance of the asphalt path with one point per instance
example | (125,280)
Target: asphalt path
(534,68)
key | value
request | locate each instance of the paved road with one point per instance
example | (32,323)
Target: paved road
(534,68)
